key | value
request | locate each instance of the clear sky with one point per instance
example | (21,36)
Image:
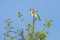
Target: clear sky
(46,8)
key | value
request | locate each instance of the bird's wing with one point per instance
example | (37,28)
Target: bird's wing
(39,17)
(36,11)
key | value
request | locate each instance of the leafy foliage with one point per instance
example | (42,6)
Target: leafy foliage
(31,34)
(48,23)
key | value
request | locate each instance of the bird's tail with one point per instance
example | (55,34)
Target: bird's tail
(39,18)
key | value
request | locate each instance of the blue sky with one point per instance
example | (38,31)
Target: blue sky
(46,8)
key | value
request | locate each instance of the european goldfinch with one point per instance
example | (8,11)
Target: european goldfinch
(35,15)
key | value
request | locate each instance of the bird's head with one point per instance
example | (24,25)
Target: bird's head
(31,9)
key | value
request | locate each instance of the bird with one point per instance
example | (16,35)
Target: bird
(35,15)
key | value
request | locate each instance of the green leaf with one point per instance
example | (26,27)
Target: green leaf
(45,38)
(19,14)
(43,31)
(29,25)
(48,23)
(8,22)
(12,37)
(50,20)
(47,32)
(45,25)
(32,30)
(43,35)
(28,37)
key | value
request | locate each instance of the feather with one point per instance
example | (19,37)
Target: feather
(39,18)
